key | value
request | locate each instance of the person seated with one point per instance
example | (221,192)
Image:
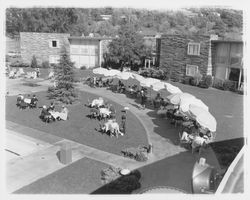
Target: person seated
(19,99)
(186,137)
(45,115)
(64,113)
(51,107)
(33,102)
(94,113)
(198,141)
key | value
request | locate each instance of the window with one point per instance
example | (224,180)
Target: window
(191,70)
(54,44)
(54,59)
(193,49)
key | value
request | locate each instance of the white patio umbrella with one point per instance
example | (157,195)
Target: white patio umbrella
(185,104)
(100,70)
(157,86)
(203,117)
(148,82)
(176,98)
(124,75)
(112,72)
(172,89)
(137,77)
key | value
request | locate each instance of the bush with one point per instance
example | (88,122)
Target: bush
(139,153)
(34,62)
(19,64)
(187,80)
(196,79)
(45,64)
(153,73)
(208,81)
(229,85)
(218,83)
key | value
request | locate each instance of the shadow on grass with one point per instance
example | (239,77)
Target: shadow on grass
(174,171)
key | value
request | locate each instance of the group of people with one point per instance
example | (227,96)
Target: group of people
(106,111)
(98,82)
(18,73)
(50,114)
(196,136)
(26,102)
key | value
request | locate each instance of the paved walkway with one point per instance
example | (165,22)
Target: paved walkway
(29,168)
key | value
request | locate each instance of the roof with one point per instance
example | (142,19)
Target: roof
(148,32)
(90,38)
(226,41)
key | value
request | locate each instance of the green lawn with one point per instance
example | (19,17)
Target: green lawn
(79,128)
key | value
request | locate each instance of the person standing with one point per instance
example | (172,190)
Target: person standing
(124,119)
(143,99)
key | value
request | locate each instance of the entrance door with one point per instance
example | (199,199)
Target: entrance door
(222,60)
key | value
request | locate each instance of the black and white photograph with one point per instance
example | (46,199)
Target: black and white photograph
(124,99)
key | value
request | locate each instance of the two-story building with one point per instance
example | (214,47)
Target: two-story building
(84,51)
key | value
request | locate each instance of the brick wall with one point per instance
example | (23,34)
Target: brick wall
(38,44)
(174,57)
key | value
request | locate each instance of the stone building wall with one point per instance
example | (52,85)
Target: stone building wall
(174,57)
(38,44)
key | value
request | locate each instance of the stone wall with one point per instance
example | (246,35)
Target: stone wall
(174,57)
(38,44)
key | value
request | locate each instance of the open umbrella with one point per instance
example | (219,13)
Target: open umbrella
(172,89)
(100,70)
(176,98)
(203,117)
(186,102)
(157,86)
(124,75)
(112,72)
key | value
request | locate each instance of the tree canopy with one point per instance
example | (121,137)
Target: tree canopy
(128,48)
(78,21)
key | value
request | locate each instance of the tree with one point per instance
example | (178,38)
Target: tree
(128,48)
(64,78)
(33,62)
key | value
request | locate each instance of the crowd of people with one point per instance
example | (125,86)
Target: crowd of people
(24,102)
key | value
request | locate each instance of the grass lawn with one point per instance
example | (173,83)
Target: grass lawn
(81,177)
(79,128)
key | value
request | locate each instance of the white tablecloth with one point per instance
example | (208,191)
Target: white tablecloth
(105,111)
(97,102)
(26,100)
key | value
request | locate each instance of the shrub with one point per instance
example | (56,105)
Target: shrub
(218,83)
(45,64)
(196,79)
(186,80)
(208,80)
(34,62)
(139,153)
(19,63)
(229,85)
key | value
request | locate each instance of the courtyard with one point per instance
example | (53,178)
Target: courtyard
(93,151)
